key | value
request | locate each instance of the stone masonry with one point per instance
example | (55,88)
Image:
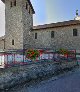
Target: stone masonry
(2,43)
(19,28)
(19,22)
(63,38)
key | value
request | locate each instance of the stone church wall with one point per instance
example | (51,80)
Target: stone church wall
(18,24)
(1,44)
(63,38)
(14,26)
(27,19)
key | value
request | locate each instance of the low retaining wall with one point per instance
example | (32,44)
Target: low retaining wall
(13,76)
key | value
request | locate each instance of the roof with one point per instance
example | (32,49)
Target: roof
(58,24)
(29,4)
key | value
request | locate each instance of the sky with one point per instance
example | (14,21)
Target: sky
(47,11)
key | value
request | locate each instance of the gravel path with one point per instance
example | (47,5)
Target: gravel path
(69,82)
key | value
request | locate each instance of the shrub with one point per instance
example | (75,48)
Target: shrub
(63,51)
(32,54)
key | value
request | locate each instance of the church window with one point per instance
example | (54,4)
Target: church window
(35,35)
(75,32)
(14,2)
(52,34)
(11,4)
(12,41)
(29,11)
(26,5)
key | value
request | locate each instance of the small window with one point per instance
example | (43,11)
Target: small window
(74,32)
(12,42)
(10,4)
(35,35)
(29,10)
(14,2)
(52,34)
(26,5)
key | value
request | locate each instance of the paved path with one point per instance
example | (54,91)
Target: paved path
(67,83)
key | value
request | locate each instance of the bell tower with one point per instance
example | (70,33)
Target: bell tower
(19,24)
(77,16)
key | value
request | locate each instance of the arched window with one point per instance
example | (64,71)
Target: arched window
(35,35)
(52,34)
(75,32)
(12,41)
(26,5)
(11,4)
(14,2)
(29,10)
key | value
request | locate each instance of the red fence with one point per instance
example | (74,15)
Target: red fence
(14,58)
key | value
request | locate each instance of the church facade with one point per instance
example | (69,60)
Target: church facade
(58,35)
(21,34)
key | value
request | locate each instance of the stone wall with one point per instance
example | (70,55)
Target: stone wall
(63,38)
(14,26)
(27,19)
(19,23)
(1,44)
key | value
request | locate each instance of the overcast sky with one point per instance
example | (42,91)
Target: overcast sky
(47,11)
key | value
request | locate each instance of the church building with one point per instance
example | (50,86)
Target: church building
(21,34)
